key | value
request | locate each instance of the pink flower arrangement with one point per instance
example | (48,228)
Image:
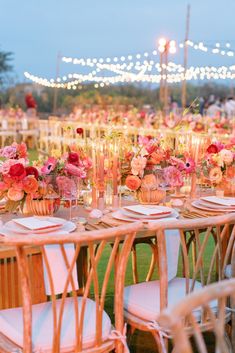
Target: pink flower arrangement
(149,157)
(217,160)
(19,181)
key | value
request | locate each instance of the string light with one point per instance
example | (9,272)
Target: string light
(214,49)
(178,74)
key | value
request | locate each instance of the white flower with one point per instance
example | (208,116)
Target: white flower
(137,165)
(226,156)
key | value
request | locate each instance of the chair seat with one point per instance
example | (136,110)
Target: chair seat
(143,299)
(11,325)
(228,271)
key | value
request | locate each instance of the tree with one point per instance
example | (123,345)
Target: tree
(5,67)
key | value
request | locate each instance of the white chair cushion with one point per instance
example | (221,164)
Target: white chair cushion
(143,299)
(11,325)
(228,271)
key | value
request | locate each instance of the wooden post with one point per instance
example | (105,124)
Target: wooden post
(56,89)
(184,82)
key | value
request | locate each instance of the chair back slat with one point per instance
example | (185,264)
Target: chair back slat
(183,322)
(211,241)
(98,247)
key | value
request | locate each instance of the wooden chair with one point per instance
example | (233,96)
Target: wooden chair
(70,323)
(182,323)
(144,301)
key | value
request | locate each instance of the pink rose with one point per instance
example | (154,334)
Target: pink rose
(133,182)
(15,195)
(76,171)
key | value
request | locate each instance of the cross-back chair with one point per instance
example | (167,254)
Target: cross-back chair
(144,301)
(69,323)
(182,323)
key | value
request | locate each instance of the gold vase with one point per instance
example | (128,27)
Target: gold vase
(44,207)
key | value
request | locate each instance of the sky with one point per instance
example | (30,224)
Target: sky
(36,30)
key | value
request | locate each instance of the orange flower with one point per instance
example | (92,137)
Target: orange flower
(30,184)
(15,195)
(133,182)
(156,158)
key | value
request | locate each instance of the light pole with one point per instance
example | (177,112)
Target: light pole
(165,47)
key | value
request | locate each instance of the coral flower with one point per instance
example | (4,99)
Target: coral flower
(215,175)
(15,195)
(30,184)
(133,182)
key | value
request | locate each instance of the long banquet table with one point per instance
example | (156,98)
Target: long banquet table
(9,280)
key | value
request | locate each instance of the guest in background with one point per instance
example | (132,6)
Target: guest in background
(213,109)
(230,107)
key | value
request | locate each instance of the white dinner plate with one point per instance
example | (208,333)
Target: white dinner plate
(119,215)
(202,206)
(139,216)
(66,226)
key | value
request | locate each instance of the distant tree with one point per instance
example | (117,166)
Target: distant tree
(5,66)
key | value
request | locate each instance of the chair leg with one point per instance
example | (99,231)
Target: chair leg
(158,342)
(130,331)
(134,264)
(228,342)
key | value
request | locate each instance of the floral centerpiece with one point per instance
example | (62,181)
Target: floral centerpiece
(144,164)
(21,183)
(218,164)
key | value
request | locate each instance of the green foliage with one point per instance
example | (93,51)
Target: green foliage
(5,58)
(124,96)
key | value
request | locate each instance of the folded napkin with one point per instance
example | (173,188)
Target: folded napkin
(172,249)
(58,268)
(223,201)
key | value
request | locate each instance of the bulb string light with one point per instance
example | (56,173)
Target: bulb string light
(218,48)
(192,73)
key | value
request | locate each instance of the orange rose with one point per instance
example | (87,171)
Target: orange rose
(30,184)
(133,182)
(15,195)
(156,158)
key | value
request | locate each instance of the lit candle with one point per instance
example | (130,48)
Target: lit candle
(101,171)
(115,170)
(94,196)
